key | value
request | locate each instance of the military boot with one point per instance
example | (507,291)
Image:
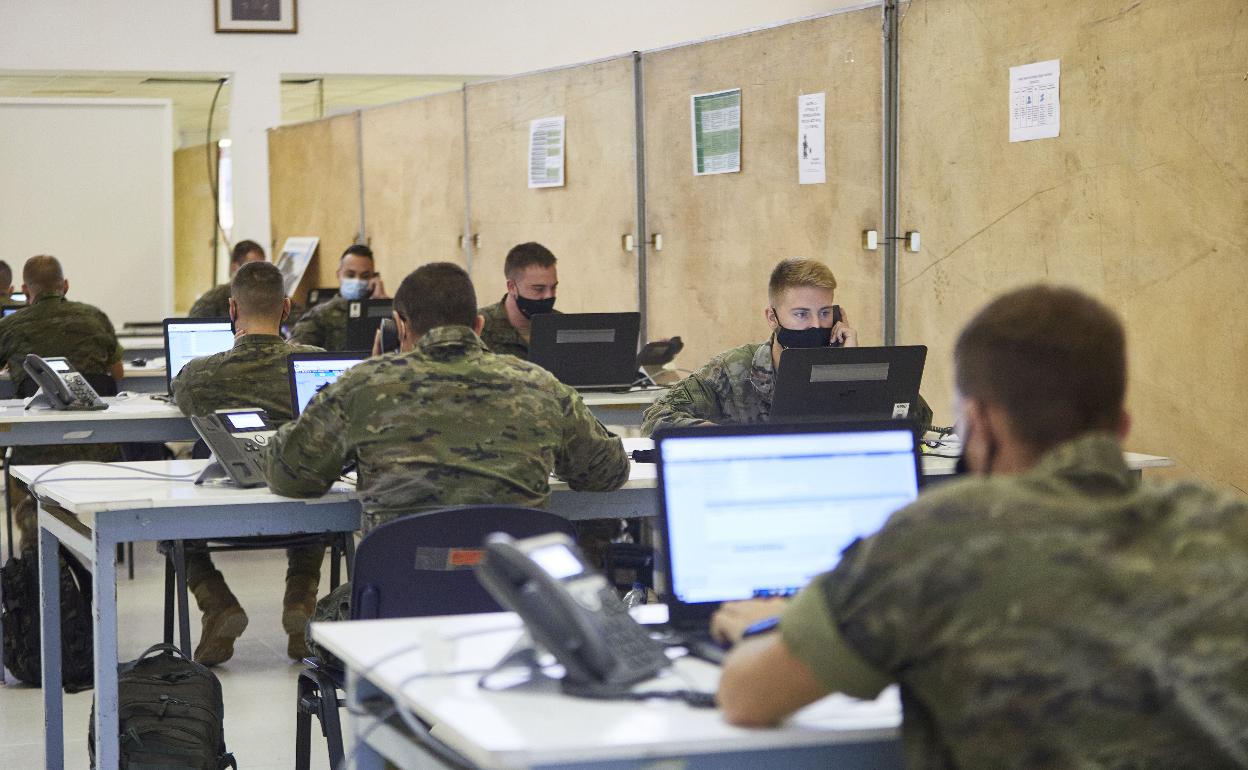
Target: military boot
(224,620)
(297,607)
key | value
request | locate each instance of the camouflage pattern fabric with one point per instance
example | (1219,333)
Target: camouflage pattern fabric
(253,373)
(499,335)
(1067,617)
(735,388)
(214,303)
(8,301)
(54,326)
(448,423)
(324,326)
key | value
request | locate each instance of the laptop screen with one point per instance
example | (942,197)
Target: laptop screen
(8,311)
(311,375)
(189,340)
(760,515)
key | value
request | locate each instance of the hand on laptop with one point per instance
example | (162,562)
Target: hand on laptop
(843,335)
(732,618)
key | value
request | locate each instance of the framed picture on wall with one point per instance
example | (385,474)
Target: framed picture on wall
(257,15)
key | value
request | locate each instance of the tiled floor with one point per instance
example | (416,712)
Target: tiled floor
(258,683)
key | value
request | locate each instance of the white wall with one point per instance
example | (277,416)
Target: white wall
(91,183)
(418,37)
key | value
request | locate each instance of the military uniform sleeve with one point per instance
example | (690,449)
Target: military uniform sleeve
(691,401)
(306,456)
(115,356)
(308,330)
(184,390)
(590,457)
(811,634)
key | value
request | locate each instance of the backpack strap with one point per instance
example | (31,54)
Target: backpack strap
(162,647)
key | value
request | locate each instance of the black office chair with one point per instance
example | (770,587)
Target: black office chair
(385,585)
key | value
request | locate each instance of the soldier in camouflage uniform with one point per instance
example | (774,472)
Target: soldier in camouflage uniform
(532,279)
(251,374)
(55,326)
(444,422)
(736,387)
(325,325)
(6,287)
(1051,611)
(215,303)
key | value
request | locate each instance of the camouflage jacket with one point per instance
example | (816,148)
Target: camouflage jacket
(448,423)
(214,303)
(55,326)
(736,388)
(324,326)
(499,335)
(1069,616)
(252,373)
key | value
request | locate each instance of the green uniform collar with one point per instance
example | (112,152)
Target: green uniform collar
(258,339)
(1093,460)
(50,295)
(449,341)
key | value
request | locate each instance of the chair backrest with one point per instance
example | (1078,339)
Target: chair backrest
(422,564)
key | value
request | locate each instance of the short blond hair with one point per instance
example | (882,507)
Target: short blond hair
(798,273)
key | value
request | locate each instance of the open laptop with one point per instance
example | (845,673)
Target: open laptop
(189,338)
(587,350)
(759,510)
(311,372)
(363,318)
(848,383)
(8,311)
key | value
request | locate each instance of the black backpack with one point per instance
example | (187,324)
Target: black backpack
(170,714)
(19,581)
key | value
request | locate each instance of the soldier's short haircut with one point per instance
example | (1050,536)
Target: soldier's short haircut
(527,255)
(42,274)
(6,274)
(1052,357)
(798,273)
(436,294)
(241,249)
(356,250)
(258,290)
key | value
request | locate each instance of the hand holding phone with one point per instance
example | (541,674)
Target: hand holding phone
(843,335)
(377,289)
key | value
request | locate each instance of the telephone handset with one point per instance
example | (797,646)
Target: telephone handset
(237,438)
(61,386)
(837,317)
(572,612)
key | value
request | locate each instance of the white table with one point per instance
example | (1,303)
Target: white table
(144,379)
(127,419)
(128,509)
(534,727)
(621,408)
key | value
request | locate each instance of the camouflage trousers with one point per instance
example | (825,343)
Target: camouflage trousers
(301,562)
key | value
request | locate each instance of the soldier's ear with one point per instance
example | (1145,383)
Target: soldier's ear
(478,324)
(285,309)
(65,287)
(769,315)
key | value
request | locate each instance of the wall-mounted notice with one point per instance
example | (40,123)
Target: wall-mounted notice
(293,260)
(546,137)
(810,113)
(1035,108)
(716,132)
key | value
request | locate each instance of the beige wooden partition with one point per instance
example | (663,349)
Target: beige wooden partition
(413,163)
(1142,200)
(314,189)
(192,227)
(723,234)
(582,222)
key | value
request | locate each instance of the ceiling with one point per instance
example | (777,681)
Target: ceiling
(304,97)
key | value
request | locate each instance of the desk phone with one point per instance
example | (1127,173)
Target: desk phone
(237,438)
(572,611)
(61,386)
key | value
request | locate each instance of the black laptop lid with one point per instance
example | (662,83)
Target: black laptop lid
(759,510)
(190,338)
(587,349)
(848,383)
(363,318)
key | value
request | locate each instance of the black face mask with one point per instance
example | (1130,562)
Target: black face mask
(531,307)
(816,337)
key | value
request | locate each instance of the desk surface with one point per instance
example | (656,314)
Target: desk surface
(138,407)
(525,727)
(94,487)
(639,397)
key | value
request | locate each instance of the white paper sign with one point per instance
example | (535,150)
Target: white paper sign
(293,260)
(810,116)
(1035,108)
(546,139)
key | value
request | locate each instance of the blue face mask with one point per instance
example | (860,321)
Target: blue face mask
(353,288)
